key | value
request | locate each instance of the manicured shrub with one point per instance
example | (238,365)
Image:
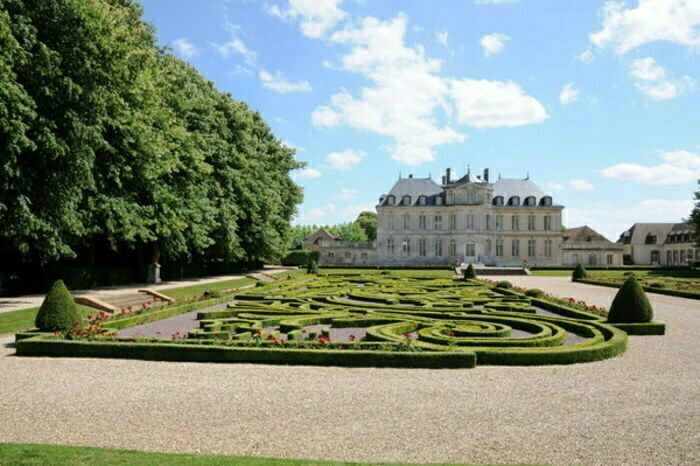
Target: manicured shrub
(469,272)
(260,283)
(299,257)
(504,284)
(631,304)
(580,272)
(58,312)
(535,293)
(209,294)
(312,267)
(657,285)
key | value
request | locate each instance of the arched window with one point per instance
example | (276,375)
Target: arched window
(498,200)
(546,201)
(515,200)
(406,200)
(530,201)
(421,200)
(438,200)
(390,200)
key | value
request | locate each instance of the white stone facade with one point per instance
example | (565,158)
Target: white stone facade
(664,244)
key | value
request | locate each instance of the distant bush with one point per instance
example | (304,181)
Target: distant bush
(260,283)
(209,294)
(631,304)
(504,284)
(580,272)
(299,257)
(469,272)
(312,267)
(656,285)
(58,312)
(535,293)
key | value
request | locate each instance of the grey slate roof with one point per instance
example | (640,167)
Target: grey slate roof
(414,187)
(584,234)
(639,232)
(508,187)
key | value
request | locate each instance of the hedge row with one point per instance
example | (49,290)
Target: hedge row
(299,257)
(648,289)
(45,345)
(645,328)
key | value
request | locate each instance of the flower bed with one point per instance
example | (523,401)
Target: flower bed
(401,321)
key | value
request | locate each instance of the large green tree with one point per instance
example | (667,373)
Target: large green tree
(106,139)
(368,222)
(695,216)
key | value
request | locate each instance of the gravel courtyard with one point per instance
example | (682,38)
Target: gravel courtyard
(640,408)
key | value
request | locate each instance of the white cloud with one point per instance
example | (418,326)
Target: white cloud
(347,194)
(624,29)
(185,48)
(278,83)
(652,80)
(345,160)
(493,43)
(351,212)
(677,167)
(586,57)
(407,92)
(238,47)
(317,16)
(554,186)
(491,104)
(611,218)
(442,38)
(316,215)
(581,185)
(307,173)
(568,94)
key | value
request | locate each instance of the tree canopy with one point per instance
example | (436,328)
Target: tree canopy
(695,216)
(105,137)
(361,230)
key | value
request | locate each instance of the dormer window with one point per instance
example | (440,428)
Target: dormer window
(422,200)
(498,200)
(438,200)
(391,200)
(406,200)
(514,201)
(530,201)
(650,239)
(546,201)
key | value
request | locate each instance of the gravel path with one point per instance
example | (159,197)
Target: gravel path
(640,408)
(22,302)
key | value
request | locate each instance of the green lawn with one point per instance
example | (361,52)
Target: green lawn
(23,319)
(26,454)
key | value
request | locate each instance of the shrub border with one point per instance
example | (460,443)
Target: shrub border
(648,289)
(644,328)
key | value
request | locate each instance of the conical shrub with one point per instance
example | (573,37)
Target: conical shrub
(58,311)
(630,305)
(579,272)
(469,272)
(312,267)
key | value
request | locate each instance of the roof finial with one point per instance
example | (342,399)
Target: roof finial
(469,169)
(499,175)
(527,175)
(430,175)
(399,174)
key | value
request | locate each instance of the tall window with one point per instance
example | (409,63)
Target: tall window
(487,248)
(548,248)
(452,248)
(390,245)
(331,255)
(390,222)
(438,222)
(609,259)
(668,258)
(421,247)
(530,222)
(406,246)
(364,256)
(438,247)
(453,221)
(548,222)
(406,221)
(470,250)
(421,222)
(515,248)
(488,221)
(515,222)
(499,222)
(499,248)
(531,248)
(470,222)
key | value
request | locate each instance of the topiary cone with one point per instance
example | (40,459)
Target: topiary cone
(312,267)
(579,272)
(58,311)
(469,272)
(630,305)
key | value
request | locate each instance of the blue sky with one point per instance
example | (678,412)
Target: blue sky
(597,100)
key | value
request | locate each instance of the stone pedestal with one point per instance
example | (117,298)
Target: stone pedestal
(153,274)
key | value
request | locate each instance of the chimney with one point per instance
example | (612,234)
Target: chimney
(444,178)
(410,175)
(447,175)
(486,175)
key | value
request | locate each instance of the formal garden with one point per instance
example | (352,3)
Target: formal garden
(352,317)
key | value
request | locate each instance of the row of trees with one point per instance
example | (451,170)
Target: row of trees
(362,229)
(109,143)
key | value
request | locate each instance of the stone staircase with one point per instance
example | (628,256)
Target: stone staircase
(484,271)
(116,303)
